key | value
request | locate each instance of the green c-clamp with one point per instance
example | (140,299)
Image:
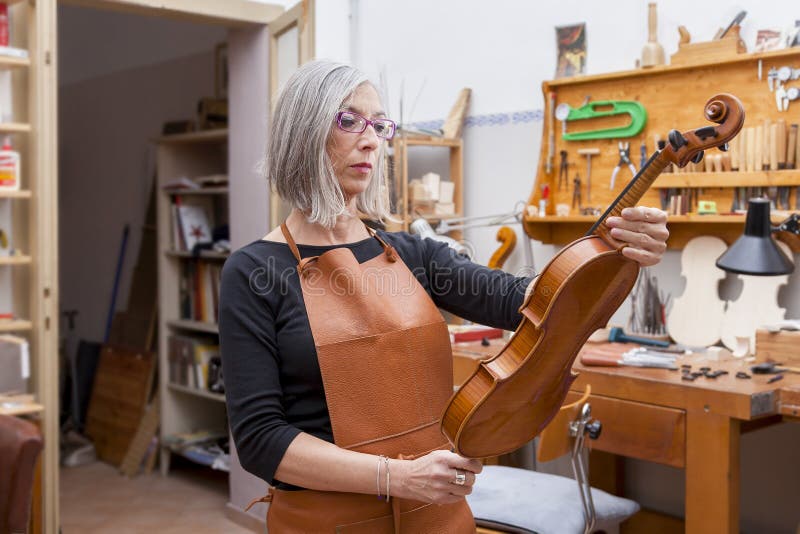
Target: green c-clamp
(634,109)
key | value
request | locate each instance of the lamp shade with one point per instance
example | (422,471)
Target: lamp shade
(756,253)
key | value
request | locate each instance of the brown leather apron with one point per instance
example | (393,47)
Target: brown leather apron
(386,362)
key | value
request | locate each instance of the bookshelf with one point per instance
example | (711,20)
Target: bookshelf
(188,332)
(29,121)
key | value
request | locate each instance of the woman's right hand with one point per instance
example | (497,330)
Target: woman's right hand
(432,478)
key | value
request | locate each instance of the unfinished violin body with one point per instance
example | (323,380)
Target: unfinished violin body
(511,397)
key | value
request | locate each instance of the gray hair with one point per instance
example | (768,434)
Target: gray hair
(297,165)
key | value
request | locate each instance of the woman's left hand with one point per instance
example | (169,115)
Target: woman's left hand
(645,232)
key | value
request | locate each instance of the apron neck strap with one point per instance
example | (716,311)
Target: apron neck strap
(290,241)
(387,249)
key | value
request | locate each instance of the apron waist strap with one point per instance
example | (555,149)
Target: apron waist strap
(307,511)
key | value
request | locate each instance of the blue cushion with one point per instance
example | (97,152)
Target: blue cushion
(541,502)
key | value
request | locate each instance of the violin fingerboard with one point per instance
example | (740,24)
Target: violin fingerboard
(630,196)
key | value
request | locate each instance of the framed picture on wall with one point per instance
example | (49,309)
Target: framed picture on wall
(571,44)
(221,70)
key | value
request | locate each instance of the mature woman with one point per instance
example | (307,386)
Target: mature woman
(336,358)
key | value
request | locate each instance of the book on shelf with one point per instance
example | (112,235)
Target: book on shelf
(198,290)
(15,363)
(6,293)
(192,222)
(189,359)
(6,242)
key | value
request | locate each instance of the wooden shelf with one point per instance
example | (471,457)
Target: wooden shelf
(201,191)
(203,136)
(780,178)
(15,260)
(412,217)
(682,228)
(14,127)
(197,392)
(204,255)
(428,140)
(195,326)
(14,62)
(15,325)
(15,194)
(670,69)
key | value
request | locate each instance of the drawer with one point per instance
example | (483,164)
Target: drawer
(638,430)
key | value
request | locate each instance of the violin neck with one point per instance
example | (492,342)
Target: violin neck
(631,195)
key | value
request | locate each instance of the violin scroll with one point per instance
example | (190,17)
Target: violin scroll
(724,109)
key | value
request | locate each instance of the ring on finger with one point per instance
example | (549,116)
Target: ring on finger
(461,478)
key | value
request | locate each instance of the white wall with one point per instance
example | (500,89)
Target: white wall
(94,43)
(504,50)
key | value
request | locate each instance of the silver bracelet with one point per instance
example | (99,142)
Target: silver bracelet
(378,476)
(386,460)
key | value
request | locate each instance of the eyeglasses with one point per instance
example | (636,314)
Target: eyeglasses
(355,123)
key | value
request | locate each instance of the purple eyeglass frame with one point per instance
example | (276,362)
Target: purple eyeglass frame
(367,122)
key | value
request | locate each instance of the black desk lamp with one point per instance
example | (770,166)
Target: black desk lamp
(756,253)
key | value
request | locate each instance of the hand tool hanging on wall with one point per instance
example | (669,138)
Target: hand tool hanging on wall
(642,154)
(563,171)
(576,192)
(603,108)
(551,136)
(588,152)
(624,159)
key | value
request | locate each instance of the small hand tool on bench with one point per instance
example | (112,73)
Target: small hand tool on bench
(771,368)
(638,357)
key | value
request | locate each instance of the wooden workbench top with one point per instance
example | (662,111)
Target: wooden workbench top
(743,399)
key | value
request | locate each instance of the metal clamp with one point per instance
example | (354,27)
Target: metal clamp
(578,429)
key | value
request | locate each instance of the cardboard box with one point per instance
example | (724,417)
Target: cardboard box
(782,347)
(15,362)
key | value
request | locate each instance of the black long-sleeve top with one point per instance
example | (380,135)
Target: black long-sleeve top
(272,377)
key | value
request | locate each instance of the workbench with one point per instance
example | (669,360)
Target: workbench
(655,415)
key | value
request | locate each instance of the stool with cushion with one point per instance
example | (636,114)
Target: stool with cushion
(20,445)
(513,500)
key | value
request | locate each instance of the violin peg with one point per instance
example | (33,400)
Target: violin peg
(698,157)
(676,140)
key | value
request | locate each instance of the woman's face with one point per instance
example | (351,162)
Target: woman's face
(354,155)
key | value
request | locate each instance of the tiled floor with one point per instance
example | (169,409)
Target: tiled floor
(96,499)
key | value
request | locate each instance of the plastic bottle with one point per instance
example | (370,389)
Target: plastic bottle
(10,171)
(3,24)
